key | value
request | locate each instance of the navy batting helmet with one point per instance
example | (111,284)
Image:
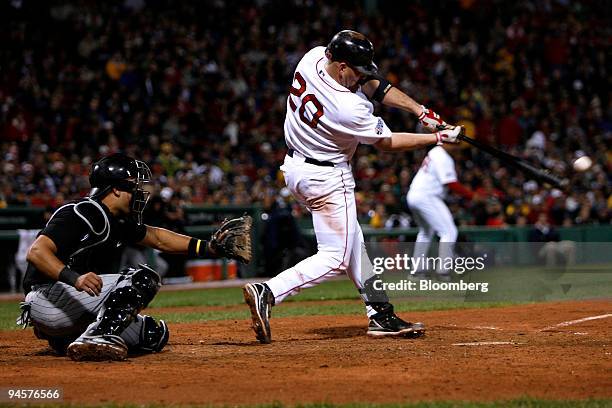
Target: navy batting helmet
(354,49)
(123,173)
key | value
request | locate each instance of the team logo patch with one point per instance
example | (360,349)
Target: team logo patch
(379,126)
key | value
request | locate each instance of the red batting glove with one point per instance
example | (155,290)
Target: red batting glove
(430,119)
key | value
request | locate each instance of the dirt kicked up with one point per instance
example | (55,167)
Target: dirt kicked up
(558,351)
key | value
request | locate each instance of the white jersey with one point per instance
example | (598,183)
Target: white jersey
(437,170)
(326,121)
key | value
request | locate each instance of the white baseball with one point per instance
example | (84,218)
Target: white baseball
(582,163)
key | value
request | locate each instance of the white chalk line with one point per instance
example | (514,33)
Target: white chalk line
(571,322)
(488,343)
(454,326)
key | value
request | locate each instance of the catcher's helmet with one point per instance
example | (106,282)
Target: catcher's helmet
(354,49)
(123,173)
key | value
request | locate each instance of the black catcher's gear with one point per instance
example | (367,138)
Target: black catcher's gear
(354,49)
(124,173)
(153,336)
(123,304)
(102,340)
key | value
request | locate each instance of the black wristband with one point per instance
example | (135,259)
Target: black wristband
(68,276)
(197,247)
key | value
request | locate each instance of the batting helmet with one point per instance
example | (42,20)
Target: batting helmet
(123,173)
(354,49)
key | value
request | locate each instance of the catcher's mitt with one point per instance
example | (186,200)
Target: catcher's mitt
(233,239)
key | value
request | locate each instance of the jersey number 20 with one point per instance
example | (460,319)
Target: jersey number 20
(308,98)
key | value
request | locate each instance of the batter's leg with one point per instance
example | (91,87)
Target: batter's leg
(335,224)
(329,195)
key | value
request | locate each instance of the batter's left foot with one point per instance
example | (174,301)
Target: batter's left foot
(390,325)
(260,299)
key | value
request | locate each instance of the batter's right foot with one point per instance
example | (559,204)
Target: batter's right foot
(260,299)
(98,348)
(390,325)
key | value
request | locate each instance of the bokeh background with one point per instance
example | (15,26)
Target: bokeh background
(198,90)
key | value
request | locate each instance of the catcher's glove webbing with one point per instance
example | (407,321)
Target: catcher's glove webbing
(233,239)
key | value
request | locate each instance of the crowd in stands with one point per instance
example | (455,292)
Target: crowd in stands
(198,90)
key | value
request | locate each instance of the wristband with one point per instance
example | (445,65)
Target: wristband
(197,247)
(423,112)
(439,141)
(68,276)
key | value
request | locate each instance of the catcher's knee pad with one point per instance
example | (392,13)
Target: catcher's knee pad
(153,335)
(146,281)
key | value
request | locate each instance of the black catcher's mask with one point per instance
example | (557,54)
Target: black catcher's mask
(123,173)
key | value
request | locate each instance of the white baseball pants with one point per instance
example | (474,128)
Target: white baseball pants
(433,217)
(329,194)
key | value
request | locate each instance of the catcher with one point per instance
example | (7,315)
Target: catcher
(74,298)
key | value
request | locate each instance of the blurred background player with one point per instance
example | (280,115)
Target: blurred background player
(329,114)
(426,202)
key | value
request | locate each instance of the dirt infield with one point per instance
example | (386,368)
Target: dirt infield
(480,354)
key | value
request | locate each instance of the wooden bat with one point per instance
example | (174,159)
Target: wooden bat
(510,160)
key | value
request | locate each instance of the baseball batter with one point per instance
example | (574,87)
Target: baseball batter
(329,113)
(426,201)
(75,300)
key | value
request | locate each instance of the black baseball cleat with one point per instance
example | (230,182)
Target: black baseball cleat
(390,325)
(260,299)
(102,347)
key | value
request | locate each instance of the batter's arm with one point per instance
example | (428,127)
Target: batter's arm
(381,90)
(412,141)
(406,141)
(394,97)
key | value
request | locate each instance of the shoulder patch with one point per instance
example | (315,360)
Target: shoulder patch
(379,126)
(93,215)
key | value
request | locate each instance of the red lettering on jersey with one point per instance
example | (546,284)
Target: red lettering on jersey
(315,116)
(308,98)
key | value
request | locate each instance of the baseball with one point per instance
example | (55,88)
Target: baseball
(582,163)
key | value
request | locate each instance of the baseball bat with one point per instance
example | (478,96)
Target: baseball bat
(540,174)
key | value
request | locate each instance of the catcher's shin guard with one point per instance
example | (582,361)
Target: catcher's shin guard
(153,336)
(123,304)
(101,340)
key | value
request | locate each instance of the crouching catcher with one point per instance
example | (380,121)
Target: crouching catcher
(76,297)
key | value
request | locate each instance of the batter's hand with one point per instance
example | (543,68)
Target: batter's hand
(90,283)
(430,119)
(449,134)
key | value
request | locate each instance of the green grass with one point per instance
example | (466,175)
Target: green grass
(518,403)
(304,304)
(517,286)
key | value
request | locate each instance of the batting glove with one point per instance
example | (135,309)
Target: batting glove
(430,119)
(448,135)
